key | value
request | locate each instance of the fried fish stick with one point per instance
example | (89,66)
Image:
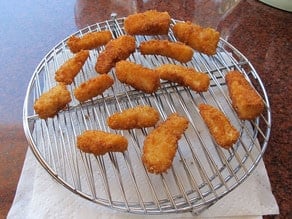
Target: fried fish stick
(219,126)
(52,101)
(204,40)
(160,145)
(138,76)
(93,87)
(247,103)
(189,77)
(100,142)
(136,117)
(174,50)
(67,72)
(89,41)
(116,50)
(149,22)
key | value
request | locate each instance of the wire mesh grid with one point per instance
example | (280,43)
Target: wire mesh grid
(201,173)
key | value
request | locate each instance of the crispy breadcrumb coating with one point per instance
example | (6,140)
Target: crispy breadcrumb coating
(150,22)
(67,72)
(197,81)
(100,142)
(136,117)
(89,41)
(116,50)
(204,40)
(52,101)
(138,76)
(247,103)
(93,87)
(219,126)
(175,50)
(160,145)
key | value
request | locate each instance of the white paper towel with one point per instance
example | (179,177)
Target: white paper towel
(39,196)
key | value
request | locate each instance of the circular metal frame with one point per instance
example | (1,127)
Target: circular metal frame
(202,172)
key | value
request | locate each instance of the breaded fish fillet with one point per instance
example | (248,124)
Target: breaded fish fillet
(100,142)
(204,40)
(175,50)
(219,126)
(189,77)
(149,22)
(67,72)
(93,87)
(52,101)
(138,76)
(247,103)
(136,117)
(116,50)
(89,41)
(160,145)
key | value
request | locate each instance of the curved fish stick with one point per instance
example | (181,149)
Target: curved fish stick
(68,71)
(219,126)
(137,76)
(247,103)
(52,101)
(100,142)
(175,50)
(150,22)
(160,145)
(189,77)
(93,87)
(204,40)
(116,50)
(136,117)
(89,41)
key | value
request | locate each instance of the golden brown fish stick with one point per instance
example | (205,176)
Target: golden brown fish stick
(149,22)
(160,145)
(197,81)
(174,50)
(116,50)
(89,41)
(219,126)
(67,72)
(138,76)
(204,40)
(93,87)
(136,117)
(100,142)
(52,101)
(245,100)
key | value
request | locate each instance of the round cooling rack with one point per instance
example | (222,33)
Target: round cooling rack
(201,173)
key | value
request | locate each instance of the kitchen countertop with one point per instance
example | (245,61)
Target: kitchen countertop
(29,29)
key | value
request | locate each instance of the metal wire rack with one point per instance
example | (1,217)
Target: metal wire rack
(201,173)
